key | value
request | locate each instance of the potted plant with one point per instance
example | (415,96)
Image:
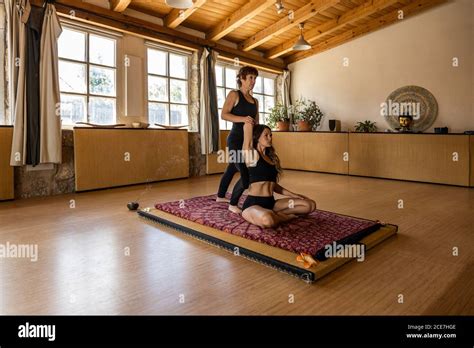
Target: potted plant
(295,111)
(308,115)
(366,126)
(278,118)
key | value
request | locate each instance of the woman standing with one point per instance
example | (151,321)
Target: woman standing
(239,108)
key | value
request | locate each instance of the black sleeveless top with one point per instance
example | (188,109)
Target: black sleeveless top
(244,109)
(263,171)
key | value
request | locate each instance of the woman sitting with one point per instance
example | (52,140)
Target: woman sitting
(260,208)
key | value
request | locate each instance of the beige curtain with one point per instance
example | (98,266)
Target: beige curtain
(208,112)
(11,69)
(285,88)
(50,118)
(17,12)
(285,91)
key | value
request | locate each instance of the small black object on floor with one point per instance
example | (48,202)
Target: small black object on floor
(133,205)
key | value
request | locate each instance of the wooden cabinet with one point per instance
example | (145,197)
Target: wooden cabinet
(116,157)
(213,166)
(312,151)
(6,171)
(434,158)
(471,151)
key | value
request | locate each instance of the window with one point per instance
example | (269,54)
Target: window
(87,77)
(167,87)
(226,81)
(264,91)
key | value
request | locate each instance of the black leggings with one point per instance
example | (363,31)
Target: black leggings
(229,173)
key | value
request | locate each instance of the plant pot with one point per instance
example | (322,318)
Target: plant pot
(304,126)
(283,126)
(335,125)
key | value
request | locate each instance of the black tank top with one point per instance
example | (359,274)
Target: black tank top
(244,109)
(263,171)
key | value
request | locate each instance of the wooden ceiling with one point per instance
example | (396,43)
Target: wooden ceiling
(256,25)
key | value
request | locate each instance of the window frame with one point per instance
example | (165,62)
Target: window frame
(168,50)
(92,30)
(264,95)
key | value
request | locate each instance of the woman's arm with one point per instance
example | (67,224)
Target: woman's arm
(257,117)
(250,154)
(229,103)
(283,191)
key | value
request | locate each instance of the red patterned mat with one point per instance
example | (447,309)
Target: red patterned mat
(307,234)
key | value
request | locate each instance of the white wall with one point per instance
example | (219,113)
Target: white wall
(417,51)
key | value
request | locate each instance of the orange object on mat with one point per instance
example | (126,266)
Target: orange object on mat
(306,259)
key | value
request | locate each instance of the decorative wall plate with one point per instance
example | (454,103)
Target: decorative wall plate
(414,100)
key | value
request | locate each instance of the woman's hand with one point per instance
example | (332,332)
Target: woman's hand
(249,119)
(297,195)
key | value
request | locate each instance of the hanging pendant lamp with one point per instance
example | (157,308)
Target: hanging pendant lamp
(181,4)
(301,44)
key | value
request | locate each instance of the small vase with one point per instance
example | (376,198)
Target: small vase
(304,126)
(283,126)
(335,125)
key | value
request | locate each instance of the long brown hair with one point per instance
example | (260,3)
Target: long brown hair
(269,151)
(243,72)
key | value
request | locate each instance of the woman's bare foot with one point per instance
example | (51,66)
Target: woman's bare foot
(235,209)
(224,200)
(286,217)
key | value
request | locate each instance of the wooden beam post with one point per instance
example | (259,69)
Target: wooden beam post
(239,17)
(119,5)
(177,16)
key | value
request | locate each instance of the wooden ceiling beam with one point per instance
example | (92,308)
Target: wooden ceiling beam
(300,15)
(119,5)
(238,18)
(366,9)
(177,16)
(411,9)
(87,12)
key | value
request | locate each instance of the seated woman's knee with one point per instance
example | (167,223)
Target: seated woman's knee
(312,205)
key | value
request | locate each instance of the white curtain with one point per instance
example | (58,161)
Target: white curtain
(205,125)
(285,88)
(285,92)
(50,118)
(17,12)
(11,73)
(208,114)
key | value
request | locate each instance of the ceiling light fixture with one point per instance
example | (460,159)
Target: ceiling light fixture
(181,4)
(301,44)
(279,6)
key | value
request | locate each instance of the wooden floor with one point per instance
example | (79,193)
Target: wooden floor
(84,266)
